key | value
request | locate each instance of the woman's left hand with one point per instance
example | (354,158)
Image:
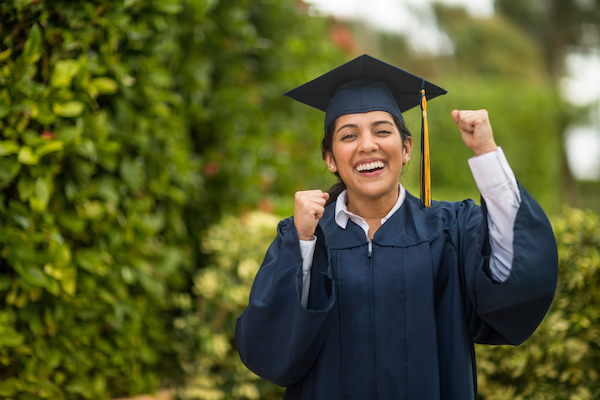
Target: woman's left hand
(475,130)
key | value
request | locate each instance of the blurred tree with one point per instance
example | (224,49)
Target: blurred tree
(559,27)
(257,145)
(556,25)
(490,47)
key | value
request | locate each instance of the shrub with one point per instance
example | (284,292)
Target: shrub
(562,358)
(97,170)
(120,122)
(221,290)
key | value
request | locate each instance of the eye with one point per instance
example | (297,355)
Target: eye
(383,132)
(347,136)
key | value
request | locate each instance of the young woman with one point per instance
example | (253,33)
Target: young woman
(366,293)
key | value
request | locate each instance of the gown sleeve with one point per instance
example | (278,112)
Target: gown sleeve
(510,311)
(278,338)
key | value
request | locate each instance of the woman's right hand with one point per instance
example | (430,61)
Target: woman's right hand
(309,206)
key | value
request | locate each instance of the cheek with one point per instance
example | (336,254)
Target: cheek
(340,153)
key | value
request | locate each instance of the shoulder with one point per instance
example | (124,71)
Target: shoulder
(442,218)
(448,211)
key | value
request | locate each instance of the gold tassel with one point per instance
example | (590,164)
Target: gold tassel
(425,162)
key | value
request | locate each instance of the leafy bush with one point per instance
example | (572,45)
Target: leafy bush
(122,127)
(560,361)
(97,170)
(222,289)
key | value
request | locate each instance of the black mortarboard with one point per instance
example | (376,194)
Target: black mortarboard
(361,85)
(368,84)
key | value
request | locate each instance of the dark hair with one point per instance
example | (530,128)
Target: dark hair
(327,147)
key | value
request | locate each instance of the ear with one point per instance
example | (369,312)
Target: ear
(407,145)
(330,162)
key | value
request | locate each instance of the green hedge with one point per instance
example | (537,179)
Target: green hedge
(560,361)
(221,291)
(97,170)
(126,128)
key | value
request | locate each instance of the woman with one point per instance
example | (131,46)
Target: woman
(375,296)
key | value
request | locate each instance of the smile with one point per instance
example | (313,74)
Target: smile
(370,166)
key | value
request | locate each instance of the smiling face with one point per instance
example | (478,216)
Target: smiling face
(368,153)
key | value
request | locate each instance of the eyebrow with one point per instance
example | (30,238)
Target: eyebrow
(375,123)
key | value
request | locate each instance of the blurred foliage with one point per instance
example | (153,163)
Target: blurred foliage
(96,174)
(491,47)
(561,28)
(561,361)
(126,128)
(250,134)
(526,119)
(558,26)
(222,289)
(590,194)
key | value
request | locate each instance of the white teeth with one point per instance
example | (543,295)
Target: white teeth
(370,166)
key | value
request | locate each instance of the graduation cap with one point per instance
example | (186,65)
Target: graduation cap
(368,84)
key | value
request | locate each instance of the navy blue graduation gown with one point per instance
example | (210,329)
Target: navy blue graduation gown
(397,318)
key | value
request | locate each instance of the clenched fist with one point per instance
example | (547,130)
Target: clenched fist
(475,130)
(309,206)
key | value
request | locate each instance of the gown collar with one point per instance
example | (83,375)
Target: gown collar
(409,225)
(342,215)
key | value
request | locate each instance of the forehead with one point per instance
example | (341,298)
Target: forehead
(367,118)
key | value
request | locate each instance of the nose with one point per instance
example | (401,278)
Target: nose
(367,144)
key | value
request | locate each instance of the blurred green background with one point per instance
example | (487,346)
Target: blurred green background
(147,153)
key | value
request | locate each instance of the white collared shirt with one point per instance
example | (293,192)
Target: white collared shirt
(498,186)
(342,215)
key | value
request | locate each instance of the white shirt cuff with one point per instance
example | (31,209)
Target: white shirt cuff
(492,169)
(307,249)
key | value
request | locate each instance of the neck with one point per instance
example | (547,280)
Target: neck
(372,208)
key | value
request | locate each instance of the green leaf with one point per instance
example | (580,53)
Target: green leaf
(9,337)
(9,147)
(168,6)
(68,133)
(90,260)
(9,168)
(4,103)
(45,115)
(64,71)
(80,385)
(5,54)
(50,355)
(71,222)
(9,387)
(49,147)
(26,156)
(41,195)
(69,109)
(99,384)
(25,187)
(32,274)
(105,85)
(32,50)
